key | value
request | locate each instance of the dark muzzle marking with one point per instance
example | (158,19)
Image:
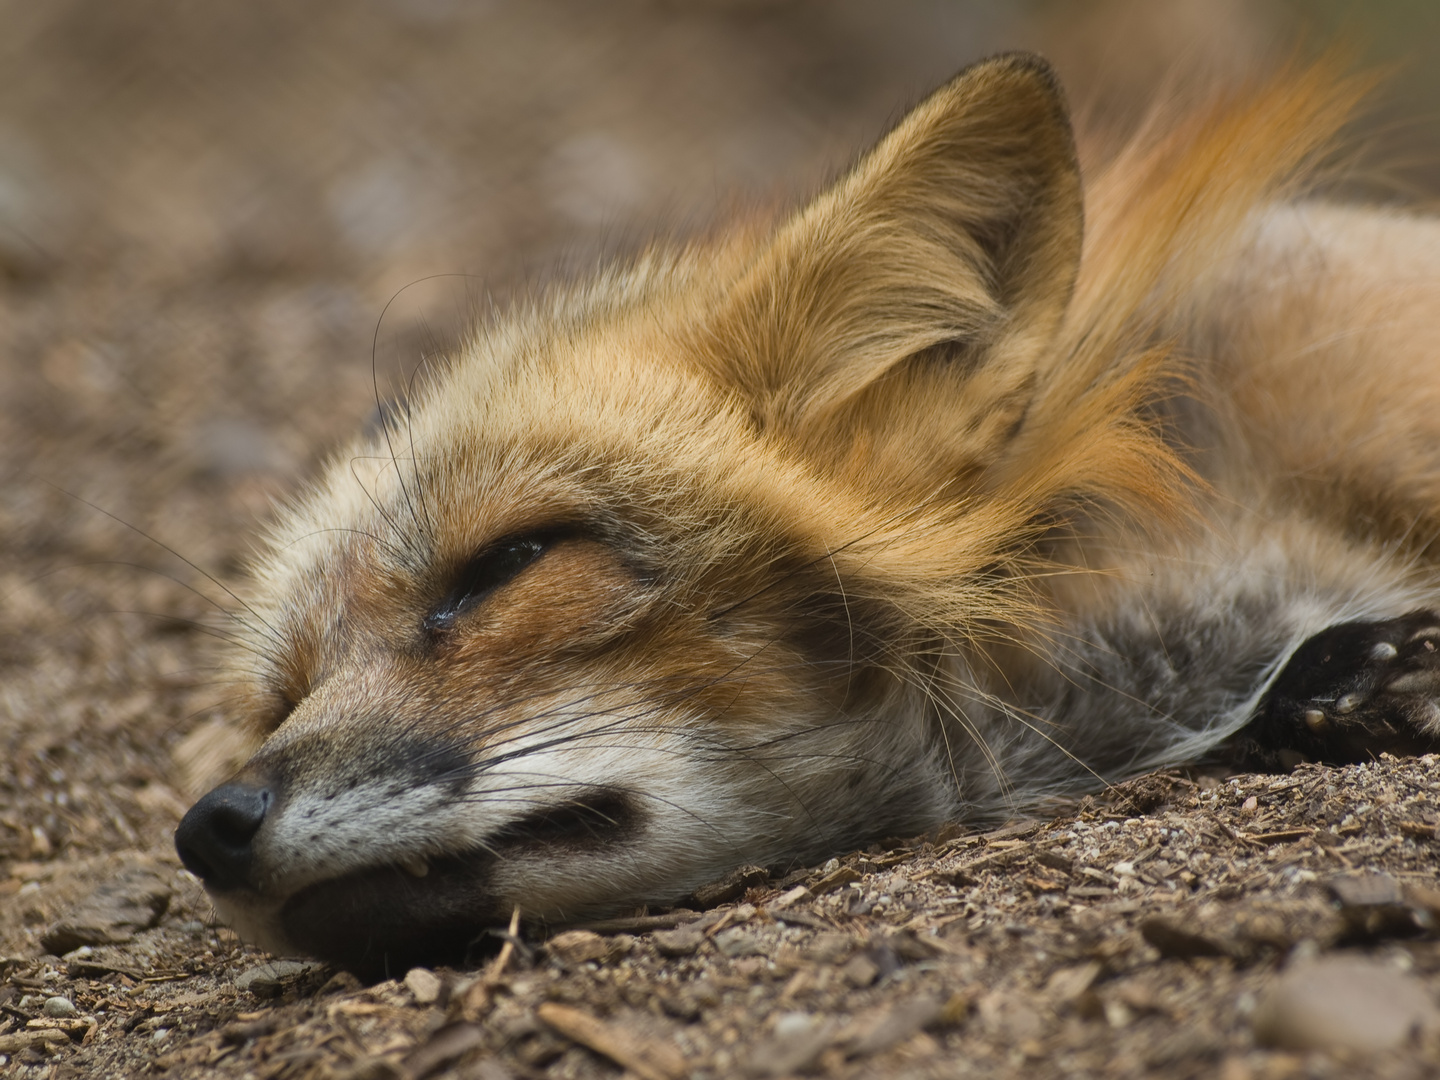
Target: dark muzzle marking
(604,816)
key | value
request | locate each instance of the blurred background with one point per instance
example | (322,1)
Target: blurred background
(206,206)
(379,140)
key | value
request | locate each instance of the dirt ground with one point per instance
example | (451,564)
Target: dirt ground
(204,212)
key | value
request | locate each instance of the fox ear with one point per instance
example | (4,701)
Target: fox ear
(948,253)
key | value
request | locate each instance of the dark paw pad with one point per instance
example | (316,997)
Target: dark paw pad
(1351,692)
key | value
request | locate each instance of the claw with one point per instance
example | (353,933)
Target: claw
(1426,637)
(1315,720)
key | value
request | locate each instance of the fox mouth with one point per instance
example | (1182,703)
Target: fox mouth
(438,909)
(402,909)
(384,920)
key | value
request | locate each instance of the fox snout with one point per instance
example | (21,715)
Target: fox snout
(368,920)
(214,837)
(298,864)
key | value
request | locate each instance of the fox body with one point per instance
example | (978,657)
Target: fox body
(958,488)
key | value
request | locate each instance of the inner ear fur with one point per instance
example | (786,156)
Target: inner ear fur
(946,255)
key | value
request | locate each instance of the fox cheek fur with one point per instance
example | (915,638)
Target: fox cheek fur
(899,511)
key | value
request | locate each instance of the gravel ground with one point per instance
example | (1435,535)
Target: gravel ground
(204,210)
(1251,927)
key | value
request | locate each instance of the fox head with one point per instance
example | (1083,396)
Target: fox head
(671,571)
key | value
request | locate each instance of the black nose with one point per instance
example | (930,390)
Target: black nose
(214,837)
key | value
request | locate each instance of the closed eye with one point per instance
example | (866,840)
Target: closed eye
(276,707)
(489,570)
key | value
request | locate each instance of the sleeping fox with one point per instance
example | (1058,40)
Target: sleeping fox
(961,487)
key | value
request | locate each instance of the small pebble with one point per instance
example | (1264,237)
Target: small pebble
(682,941)
(860,971)
(792,1025)
(60,1008)
(738,942)
(423,984)
(1343,1003)
(797,1043)
(830,948)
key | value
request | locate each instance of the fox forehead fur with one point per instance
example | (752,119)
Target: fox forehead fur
(929,501)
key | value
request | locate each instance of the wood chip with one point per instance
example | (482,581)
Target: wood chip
(1344,1002)
(1419,830)
(785,899)
(835,879)
(446,1046)
(270,978)
(1172,942)
(1068,983)
(35,1039)
(958,878)
(796,1045)
(242,1031)
(1054,860)
(1426,902)
(132,899)
(1280,836)
(647,1058)
(86,968)
(475,1002)
(884,862)
(802,918)
(1014,830)
(577,946)
(1367,889)
(642,924)
(892,1025)
(1373,906)
(1043,885)
(731,886)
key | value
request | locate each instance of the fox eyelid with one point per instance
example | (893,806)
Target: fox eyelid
(485,572)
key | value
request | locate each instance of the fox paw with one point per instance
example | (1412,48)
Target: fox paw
(1352,691)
